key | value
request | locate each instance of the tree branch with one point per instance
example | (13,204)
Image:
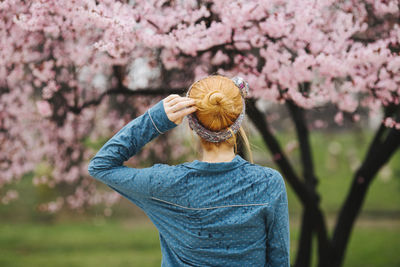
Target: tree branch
(303,256)
(297,115)
(126,91)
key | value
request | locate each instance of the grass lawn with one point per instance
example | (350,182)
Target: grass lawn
(373,247)
(130,243)
(78,244)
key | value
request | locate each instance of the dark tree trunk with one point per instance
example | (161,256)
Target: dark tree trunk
(303,258)
(313,218)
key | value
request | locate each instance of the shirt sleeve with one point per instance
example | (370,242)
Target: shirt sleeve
(107,165)
(278,231)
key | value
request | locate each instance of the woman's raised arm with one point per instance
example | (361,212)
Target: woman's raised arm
(107,165)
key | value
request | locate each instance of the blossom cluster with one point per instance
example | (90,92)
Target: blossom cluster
(58,59)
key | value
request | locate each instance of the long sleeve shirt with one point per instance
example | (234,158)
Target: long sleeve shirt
(207,214)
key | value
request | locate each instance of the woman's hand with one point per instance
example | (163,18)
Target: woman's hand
(177,107)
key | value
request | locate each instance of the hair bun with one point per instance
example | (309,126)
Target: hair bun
(215,97)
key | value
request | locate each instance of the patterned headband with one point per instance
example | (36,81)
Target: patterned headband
(224,134)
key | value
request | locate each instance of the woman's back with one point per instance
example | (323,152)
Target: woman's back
(216,214)
(226,213)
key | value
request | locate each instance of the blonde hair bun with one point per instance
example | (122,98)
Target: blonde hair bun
(215,97)
(219,104)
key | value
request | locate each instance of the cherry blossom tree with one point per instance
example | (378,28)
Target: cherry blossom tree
(75,71)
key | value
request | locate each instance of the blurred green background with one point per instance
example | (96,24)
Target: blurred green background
(127,237)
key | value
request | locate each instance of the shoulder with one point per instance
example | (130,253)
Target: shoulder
(165,170)
(276,185)
(274,176)
(166,180)
(269,181)
(268,173)
(270,176)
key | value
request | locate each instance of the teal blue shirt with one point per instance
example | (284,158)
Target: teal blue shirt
(207,214)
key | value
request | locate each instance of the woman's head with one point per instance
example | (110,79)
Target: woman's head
(219,103)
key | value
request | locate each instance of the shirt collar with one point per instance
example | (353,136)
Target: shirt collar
(216,166)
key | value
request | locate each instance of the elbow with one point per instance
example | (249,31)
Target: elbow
(95,168)
(92,168)
(98,168)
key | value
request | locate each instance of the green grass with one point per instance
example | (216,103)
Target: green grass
(373,247)
(78,244)
(122,243)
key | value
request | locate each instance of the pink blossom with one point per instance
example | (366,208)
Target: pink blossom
(339,118)
(320,124)
(391,123)
(219,58)
(49,90)
(70,53)
(44,108)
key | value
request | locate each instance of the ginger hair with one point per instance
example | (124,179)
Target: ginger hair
(219,103)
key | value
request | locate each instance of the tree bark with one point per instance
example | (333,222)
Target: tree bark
(303,257)
(312,219)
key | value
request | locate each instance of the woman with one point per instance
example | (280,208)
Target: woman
(220,211)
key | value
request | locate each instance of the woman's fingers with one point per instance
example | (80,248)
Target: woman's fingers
(178,103)
(186,111)
(177,100)
(184,103)
(177,107)
(179,115)
(171,97)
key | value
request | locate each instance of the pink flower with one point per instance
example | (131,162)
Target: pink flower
(389,122)
(44,108)
(339,118)
(219,58)
(320,124)
(303,51)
